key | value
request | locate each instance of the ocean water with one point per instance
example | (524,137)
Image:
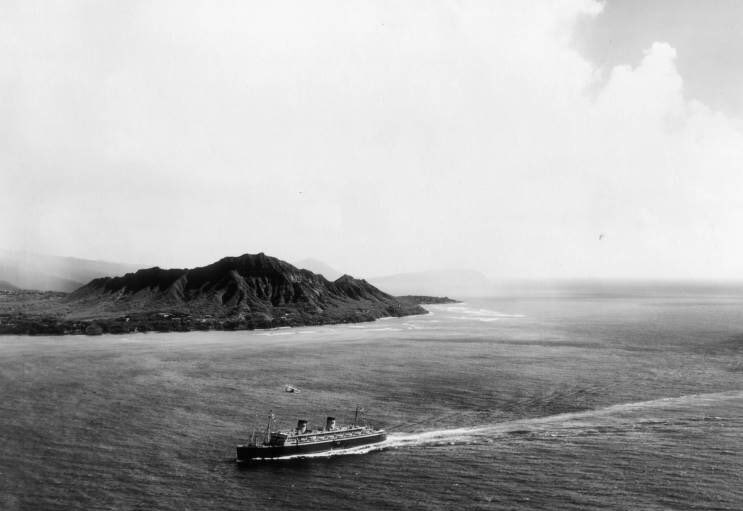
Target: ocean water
(578,400)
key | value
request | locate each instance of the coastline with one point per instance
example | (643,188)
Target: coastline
(163,322)
(35,313)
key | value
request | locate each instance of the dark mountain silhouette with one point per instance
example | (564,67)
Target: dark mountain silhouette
(250,291)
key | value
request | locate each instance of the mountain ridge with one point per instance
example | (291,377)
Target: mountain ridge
(244,292)
(44,272)
(319,267)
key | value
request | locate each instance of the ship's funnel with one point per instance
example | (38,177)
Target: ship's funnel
(301,425)
(330,423)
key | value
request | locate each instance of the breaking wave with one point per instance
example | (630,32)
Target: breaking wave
(462,311)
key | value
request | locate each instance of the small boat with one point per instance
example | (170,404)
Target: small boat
(302,440)
(289,388)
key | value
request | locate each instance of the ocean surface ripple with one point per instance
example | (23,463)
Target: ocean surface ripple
(600,401)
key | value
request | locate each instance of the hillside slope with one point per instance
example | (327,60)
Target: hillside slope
(319,267)
(43,272)
(250,291)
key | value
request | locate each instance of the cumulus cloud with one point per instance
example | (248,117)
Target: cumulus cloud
(381,137)
(662,156)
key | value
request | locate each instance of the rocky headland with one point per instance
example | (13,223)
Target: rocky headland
(426,300)
(235,293)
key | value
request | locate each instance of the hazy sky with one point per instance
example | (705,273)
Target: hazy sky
(522,139)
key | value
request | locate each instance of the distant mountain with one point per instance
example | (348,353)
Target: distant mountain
(7,286)
(454,283)
(319,267)
(27,270)
(250,291)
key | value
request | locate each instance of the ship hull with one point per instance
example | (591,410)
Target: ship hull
(258,452)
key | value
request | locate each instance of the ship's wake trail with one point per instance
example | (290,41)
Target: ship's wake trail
(617,418)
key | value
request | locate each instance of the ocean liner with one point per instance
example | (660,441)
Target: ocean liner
(300,441)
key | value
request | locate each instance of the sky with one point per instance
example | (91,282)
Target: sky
(574,139)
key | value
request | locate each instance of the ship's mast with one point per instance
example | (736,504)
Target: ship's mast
(356,416)
(268,427)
